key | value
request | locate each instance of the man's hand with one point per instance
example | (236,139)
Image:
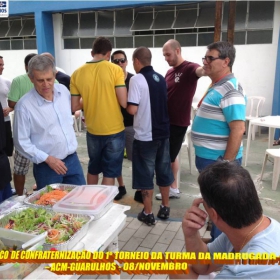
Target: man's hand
(6,111)
(194,219)
(57,165)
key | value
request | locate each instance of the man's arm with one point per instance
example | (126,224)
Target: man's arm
(76,103)
(193,221)
(199,72)
(23,144)
(237,129)
(12,104)
(132,109)
(121,93)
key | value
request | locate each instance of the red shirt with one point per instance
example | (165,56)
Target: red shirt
(181,85)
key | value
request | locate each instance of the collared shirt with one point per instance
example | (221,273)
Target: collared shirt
(44,128)
(96,83)
(148,91)
(225,102)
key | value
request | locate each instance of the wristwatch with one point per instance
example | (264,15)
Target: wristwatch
(220,158)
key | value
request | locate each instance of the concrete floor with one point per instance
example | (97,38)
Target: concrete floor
(168,235)
(270,199)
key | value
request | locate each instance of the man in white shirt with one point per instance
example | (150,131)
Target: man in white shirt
(5,86)
(43,127)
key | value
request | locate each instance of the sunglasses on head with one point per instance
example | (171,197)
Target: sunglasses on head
(117,61)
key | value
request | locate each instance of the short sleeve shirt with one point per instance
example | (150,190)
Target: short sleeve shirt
(181,86)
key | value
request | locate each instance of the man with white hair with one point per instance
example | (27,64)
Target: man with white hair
(43,127)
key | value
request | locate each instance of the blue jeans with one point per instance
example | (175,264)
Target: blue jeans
(44,175)
(201,163)
(106,154)
(6,192)
(149,157)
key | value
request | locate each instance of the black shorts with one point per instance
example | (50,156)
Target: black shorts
(177,134)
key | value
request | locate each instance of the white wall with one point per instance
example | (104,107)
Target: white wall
(254,66)
(14,62)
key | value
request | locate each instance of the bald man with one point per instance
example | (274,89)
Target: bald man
(181,82)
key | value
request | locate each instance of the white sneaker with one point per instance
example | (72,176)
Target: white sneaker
(173,193)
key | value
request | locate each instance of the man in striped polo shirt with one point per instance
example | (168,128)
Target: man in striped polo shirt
(219,124)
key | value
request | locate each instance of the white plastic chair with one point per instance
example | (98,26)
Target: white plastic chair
(254,107)
(75,123)
(11,159)
(188,143)
(78,121)
(275,153)
(12,116)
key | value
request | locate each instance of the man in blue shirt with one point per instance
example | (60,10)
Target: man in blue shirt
(230,199)
(43,127)
(219,124)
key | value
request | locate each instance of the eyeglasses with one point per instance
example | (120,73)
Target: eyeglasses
(210,58)
(117,61)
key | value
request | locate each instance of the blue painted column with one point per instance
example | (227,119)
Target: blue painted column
(276,93)
(44,32)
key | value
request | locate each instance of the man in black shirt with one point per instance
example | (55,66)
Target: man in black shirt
(119,57)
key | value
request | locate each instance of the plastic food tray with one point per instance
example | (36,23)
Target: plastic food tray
(65,246)
(93,200)
(30,200)
(14,270)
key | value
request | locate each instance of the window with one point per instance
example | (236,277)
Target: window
(5,45)
(17,33)
(105,23)
(28,28)
(30,44)
(190,24)
(143,21)
(70,25)
(123,22)
(260,14)
(4,27)
(206,16)
(240,15)
(124,42)
(185,19)
(163,20)
(15,28)
(87,24)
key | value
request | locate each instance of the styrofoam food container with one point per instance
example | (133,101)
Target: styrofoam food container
(14,270)
(93,200)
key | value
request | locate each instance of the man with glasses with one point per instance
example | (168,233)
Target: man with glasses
(219,124)
(98,87)
(119,58)
(181,82)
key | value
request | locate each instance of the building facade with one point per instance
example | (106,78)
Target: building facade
(67,29)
